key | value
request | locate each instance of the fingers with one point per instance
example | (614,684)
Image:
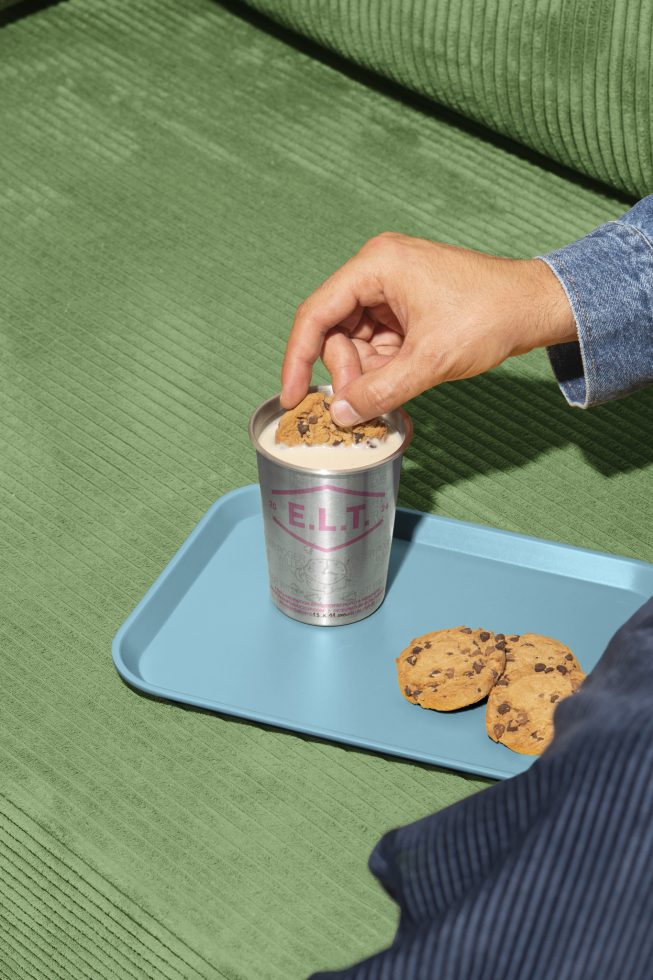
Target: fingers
(340,358)
(381,390)
(339,300)
(371,358)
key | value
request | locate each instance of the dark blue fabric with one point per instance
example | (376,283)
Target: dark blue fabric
(549,875)
(608,279)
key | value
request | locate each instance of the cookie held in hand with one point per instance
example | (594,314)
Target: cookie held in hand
(311,424)
(450,669)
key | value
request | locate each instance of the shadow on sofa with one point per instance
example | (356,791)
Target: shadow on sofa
(614,439)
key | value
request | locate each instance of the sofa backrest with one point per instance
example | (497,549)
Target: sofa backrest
(568,78)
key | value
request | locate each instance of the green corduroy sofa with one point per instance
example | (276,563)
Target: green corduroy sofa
(174,178)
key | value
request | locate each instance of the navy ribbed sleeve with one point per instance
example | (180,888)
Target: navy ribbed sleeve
(549,875)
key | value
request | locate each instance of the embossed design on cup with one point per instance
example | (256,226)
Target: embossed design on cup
(348,516)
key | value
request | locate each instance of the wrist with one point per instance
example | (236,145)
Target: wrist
(552,318)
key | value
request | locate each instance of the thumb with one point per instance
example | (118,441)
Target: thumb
(381,390)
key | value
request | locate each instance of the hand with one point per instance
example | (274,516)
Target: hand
(405,314)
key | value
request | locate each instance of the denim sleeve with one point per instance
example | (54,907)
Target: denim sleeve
(608,279)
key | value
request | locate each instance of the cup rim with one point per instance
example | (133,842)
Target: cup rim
(274,403)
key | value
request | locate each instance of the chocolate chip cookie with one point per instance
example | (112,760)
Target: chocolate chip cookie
(521,716)
(531,653)
(311,423)
(450,668)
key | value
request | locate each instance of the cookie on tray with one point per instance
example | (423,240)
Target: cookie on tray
(450,668)
(311,423)
(531,653)
(520,716)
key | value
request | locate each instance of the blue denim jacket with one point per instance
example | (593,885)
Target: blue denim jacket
(608,279)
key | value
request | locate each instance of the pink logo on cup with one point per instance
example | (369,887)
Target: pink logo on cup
(346,517)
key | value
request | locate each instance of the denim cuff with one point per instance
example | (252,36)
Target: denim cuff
(608,279)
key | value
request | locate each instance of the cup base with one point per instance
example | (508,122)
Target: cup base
(312,615)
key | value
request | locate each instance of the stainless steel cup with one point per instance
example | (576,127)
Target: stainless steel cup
(328,532)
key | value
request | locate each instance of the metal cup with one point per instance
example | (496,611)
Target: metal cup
(328,533)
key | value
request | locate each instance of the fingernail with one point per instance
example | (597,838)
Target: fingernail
(344,414)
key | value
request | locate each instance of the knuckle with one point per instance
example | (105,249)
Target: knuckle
(382,242)
(301,311)
(382,394)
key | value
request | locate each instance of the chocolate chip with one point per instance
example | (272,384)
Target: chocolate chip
(427,645)
(528,644)
(522,717)
(337,442)
(358,437)
(534,735)
(503,708)
(554,698)
(468,673)
(312,419)
(502,682)
(449,672)
(434,687)
(538,668)
(569,656)
(501,645)
(416,650)
(434,672)
(465,629)
(549,670)
(413,693)
(513,639)
(302,427)
(498,730)
(494,673)
(484,637)
(499,636)
(478,667)
(561,669)
(411,660)
(512,727)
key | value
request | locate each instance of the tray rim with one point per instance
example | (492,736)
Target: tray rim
(276,721)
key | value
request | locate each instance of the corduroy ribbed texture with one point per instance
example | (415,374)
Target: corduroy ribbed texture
(568,78)
(172,182)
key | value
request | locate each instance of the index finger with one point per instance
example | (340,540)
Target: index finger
(339,301)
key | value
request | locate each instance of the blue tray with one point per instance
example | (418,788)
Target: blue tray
(207,633)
